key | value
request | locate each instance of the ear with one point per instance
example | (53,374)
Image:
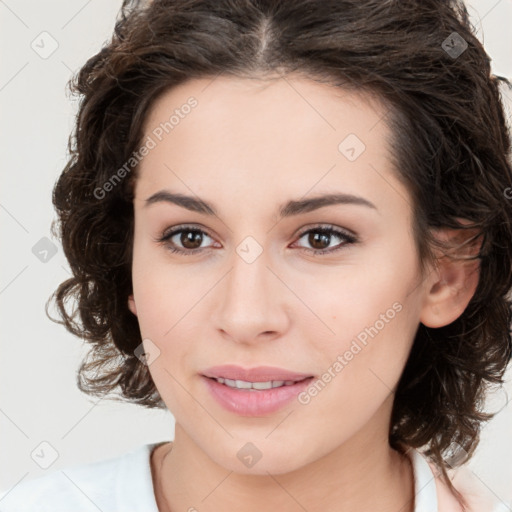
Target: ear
(453,282)
(131,304)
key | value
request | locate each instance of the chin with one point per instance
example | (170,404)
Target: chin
(259,458)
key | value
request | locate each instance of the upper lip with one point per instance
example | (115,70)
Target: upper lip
(256,374)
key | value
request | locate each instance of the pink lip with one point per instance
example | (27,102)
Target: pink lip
(247,402)
(257,374)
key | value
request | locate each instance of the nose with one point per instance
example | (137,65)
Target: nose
(252,301)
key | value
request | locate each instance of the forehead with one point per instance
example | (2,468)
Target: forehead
(254,135)
(282,108)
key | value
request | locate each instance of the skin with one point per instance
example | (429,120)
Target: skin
(248,147)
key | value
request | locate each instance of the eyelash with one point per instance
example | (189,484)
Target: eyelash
(325,230)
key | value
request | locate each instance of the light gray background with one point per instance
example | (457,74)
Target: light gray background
(39,400)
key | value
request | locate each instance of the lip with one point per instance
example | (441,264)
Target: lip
(257,374)
(246,402)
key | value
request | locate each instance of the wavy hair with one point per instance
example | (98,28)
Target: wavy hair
(450,147)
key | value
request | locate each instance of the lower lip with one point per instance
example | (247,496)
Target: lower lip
(257,402)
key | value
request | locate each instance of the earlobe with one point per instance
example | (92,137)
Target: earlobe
(450,287)
(131,305)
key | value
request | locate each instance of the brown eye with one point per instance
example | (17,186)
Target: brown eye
(191,239)
(320,238)
(183,240)
(188,240)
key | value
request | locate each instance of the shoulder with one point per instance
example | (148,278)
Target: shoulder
(103,485)
(478,497)
(74,488)
(432,493)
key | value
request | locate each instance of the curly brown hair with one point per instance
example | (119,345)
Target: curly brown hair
(451,148)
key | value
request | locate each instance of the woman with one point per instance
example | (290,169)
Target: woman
(287,224)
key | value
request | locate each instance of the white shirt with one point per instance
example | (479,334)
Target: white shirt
(124,484)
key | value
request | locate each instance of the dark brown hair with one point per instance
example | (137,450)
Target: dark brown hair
(450,147)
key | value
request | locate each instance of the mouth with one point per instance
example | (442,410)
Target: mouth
(255,397)
(230,373)
(256,386)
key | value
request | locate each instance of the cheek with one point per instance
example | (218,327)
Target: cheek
(171,301)
(363,363)
(158,289)
(366,346)
(162,309)
(368,320)
(357,301)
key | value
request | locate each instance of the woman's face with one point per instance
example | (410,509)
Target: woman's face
(257,290)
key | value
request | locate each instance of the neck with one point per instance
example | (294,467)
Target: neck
(365,477)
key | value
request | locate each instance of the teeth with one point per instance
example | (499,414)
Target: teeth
(243,384)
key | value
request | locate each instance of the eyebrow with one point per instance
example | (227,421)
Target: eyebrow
(294,207)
